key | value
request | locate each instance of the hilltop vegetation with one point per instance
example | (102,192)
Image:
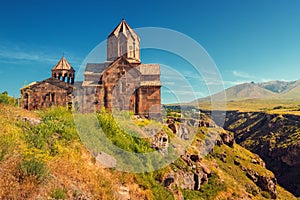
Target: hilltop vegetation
(42,157)
(6,99)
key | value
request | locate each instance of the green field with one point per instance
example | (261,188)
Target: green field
(272,106)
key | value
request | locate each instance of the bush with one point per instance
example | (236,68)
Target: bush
(33,167)
(7,145)
(5,99)
(59,193)
(57,129)
(122,138)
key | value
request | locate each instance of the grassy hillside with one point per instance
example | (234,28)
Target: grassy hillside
(272,106)
(46,160)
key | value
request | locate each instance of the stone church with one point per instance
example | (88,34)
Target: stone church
(122,82)
(54,91)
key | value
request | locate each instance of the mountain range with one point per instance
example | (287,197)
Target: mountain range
(264,90)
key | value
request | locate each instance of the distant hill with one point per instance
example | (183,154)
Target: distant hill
(264,90)
(293,91)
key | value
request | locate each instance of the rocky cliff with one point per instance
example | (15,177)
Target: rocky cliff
(276,138)
(234,171)
(42,157)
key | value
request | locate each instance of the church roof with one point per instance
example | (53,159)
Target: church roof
(63,64)
(124,28)
(52,81)
(95,67)
(58,83)
(149,69)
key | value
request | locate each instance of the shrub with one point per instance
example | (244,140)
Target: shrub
(59,121)
(57,129)
(122,138)
(5,99)
(33,167)
(7,144)
(59,193)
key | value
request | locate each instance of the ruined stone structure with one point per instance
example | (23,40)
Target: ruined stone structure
(122,82)
(56,90)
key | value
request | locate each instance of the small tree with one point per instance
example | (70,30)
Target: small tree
(6,99)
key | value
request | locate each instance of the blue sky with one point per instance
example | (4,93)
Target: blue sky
(249,40)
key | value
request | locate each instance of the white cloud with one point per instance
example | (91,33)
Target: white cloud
(241,74)
(232,83)
(18,55)
(14,54)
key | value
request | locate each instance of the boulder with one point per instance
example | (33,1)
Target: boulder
(123,193)
(187,180)
(227,139)
(32,120)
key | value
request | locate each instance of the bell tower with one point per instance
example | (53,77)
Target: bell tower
(64,71)
(123,41)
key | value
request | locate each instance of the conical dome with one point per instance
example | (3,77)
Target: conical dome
(63,64)
(123,41)
(63,71)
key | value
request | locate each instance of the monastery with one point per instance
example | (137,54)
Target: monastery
(122,82)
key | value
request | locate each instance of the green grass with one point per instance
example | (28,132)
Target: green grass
(52,155)
(149,181)
(33,167)
(272,106)
(59,193)
(208,191)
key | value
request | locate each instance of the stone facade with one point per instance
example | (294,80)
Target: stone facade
(122,82)
(54,91)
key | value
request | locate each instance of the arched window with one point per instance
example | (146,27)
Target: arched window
(64,77)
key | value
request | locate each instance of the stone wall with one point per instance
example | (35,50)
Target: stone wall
(149,101)
(44,96)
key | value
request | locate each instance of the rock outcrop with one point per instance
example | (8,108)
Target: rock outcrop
(191,175)
(160,141)
(32,120)
(275,138)
(266,183)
